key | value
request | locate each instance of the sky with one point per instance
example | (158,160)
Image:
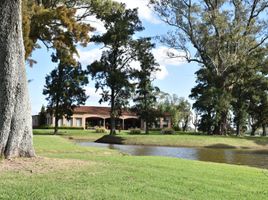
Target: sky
(176,76)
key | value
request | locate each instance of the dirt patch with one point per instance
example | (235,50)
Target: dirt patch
(41,165)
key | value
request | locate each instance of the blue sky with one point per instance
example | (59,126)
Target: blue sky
(175,77)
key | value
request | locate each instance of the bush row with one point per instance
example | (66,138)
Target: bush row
(100,130)
(61,127)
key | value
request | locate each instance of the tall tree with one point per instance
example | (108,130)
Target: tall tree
(52,22)
(225,34)
(15,112)
(179,109)
(112,72)
(42,117)
(65,89)
(145,95)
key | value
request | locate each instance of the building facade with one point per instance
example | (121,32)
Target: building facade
(89,117)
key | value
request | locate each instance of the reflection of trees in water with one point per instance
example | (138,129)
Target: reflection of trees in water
(213,155)
(250,158)
(143,151)
(233,156)
(230,156)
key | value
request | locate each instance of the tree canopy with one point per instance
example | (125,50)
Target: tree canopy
(65,89)
(112,73)
(227,37)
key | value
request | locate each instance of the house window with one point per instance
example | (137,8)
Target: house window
(78,122)
(69,122)
(60,122)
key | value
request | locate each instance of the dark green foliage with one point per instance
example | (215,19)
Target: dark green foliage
(135,131)
(60,128)
(155,129)
(65,89)
(167,131)
(42,118)
(178,108)
(112,73)
(145,95)
(230,39)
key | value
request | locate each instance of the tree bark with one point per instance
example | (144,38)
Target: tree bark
(237,128)
(146,127)
(253,129)
(56,127)
(15,111)
(264,130)
(112,114)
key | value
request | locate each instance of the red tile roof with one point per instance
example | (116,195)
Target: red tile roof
(97,110)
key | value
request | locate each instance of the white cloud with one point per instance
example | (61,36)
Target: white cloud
(97,24)
(162,57)
(135,65)
(144,11)
(94,96)
(93,21)
(162,73)
(160,54)
(89,56)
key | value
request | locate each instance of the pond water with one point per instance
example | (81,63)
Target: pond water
(231,156)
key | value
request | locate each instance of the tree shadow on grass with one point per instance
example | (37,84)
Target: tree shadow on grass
(220,146)
(51,133)
(263,141)
(111,139)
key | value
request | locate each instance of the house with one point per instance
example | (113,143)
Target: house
(92,116)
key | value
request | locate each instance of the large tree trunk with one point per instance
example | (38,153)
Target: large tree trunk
(15,111)
(146,127)
(264,130)
(253,129)
(56,127)
(112,114)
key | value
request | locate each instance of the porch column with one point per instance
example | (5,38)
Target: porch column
(104,123)
(161,122)
(169,123)
(123,124)
(142,124)
(64,121)
(53,120)
(84,122)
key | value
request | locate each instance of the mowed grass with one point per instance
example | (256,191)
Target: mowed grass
(155,138)
(110,175)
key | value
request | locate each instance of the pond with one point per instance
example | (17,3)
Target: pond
(231,156)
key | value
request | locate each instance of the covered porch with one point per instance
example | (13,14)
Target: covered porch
(120,123)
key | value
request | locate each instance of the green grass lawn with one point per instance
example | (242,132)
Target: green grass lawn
(105,174)
(155,138)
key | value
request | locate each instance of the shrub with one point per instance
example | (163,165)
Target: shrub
(100,130)
(177,128)
(167,131)
(60,128)
(155,129)
(134,131)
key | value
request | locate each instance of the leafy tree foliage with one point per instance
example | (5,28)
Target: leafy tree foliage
(145,95)
(227,36)
(65,89)
(54,23)
(178,108)
(112,72)
(42,118)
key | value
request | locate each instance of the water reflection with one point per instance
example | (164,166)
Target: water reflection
(231,156)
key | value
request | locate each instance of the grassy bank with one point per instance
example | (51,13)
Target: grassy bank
(155,138)
(75,172)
